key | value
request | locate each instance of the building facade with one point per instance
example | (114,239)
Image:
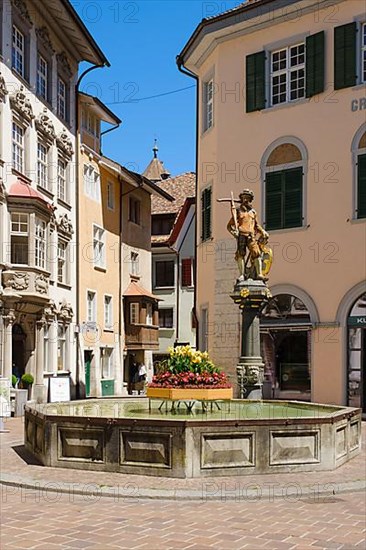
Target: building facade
(173,252)
(40,51)
(282,109)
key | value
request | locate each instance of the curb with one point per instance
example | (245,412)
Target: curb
(211,491)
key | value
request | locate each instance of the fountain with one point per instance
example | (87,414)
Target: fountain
(199,436)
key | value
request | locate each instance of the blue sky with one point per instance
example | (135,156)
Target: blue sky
(141,40)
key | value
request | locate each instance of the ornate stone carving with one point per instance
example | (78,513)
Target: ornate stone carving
(20,5)
(64,224)
(10,317)
(20,103)
(65,312)
(44,38)
(2,190)
(16,280)
(50,311)
(41,284)
(64,64)
(64,143)
(3,90)
(44,125)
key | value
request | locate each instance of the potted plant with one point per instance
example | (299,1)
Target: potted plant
(14,380)
(189,374)
(26,382)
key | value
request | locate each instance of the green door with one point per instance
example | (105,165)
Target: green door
(87,362)
(107,387)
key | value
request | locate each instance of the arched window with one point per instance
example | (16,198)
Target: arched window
(356,379)
(284,167)
(360,164)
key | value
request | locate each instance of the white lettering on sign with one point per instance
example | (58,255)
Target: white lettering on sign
(358,104)
(361,321)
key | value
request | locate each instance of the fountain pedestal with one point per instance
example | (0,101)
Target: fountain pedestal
(251,296)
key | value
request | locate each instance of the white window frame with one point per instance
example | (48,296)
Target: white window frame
(287,72)
(23,222)
(134,313)
(18,147)
(110,195)
(107,363)
(18,51)
(108,311)
(91,306)
(61,98)
(208,91)
(91,182)
(135,263)
(61,346)
(62,191)
(62,261)
(40,242)
(42,165)
(42,76)
(149,313)
(99,243)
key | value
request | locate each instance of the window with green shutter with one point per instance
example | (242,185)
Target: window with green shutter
(345,70)
(283,197)
(361,186)
(315,64)
(206,214)
(256,81)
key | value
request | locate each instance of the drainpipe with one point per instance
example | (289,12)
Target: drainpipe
(77,255)
(183,70)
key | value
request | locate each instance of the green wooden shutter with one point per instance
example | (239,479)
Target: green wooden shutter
(206,214)
(293,198)
(345,73)
(255,82)
(361,186)
(274,201)
(315,64)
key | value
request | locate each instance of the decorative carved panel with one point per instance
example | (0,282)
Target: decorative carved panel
(300,447)
(21,104)
(230,450)
(145,448)
(81,444)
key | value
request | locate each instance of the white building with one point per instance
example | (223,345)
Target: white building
(40,50)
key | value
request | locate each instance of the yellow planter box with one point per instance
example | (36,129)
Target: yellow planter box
(182,394)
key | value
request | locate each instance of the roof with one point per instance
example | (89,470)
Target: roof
(100,108)
(180,187)
(156,170)
(222,20)
(134,289)
(20,189)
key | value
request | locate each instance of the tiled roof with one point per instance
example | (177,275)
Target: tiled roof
(134,289)
(236,8)
(181,187)
(156,170)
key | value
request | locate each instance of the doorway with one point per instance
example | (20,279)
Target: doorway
(88,356)
(356,364)
(18,351)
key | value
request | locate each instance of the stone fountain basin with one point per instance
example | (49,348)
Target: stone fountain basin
(250,437)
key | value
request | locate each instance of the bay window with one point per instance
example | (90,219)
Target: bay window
(19,239)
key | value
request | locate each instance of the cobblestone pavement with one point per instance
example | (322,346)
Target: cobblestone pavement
(46,518)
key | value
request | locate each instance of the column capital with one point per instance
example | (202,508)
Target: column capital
(10,317)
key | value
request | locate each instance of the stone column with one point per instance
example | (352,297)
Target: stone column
(9,320)
(38,383)
(251,296)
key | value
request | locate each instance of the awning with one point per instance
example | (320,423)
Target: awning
(23,190)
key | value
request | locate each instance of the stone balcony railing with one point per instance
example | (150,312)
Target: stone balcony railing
(142,337)
(27,282)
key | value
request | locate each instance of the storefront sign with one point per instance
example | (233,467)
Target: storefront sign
(358,104)
(59,389)
(357,321)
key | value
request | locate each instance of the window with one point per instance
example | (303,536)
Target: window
(166,318)
(40,243)
(61,98)
(61,180)
(42,77)
(99,246)
(134,211)
(149,314)
(296,71)
(187,272)
(288,74)
(107,362)
(363,53)
(135,268)
(206,214)
(164,273)
(42,165)
(62,264)
(162,224)
(345,56)
(91,299)
(18,147)
(46,349)
(18,52)
(208,92)
(92,183)
(110,195)
(19,238)
(134,313)
(108,311)
(61,347)
(283,197)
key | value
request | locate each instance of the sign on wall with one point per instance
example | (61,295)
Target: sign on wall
(59,389)
(357,321)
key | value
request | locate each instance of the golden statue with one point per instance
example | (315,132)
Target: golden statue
(251,238)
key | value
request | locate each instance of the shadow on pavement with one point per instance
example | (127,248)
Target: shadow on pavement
(26,456)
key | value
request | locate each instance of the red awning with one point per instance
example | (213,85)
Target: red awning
(24,190)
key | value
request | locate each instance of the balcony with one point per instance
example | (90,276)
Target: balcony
(27,282)
(139,336)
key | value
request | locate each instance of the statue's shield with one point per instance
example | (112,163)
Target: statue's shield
(267,260)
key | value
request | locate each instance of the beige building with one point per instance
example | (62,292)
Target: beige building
(118,314)
(282,110)
(40,52)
